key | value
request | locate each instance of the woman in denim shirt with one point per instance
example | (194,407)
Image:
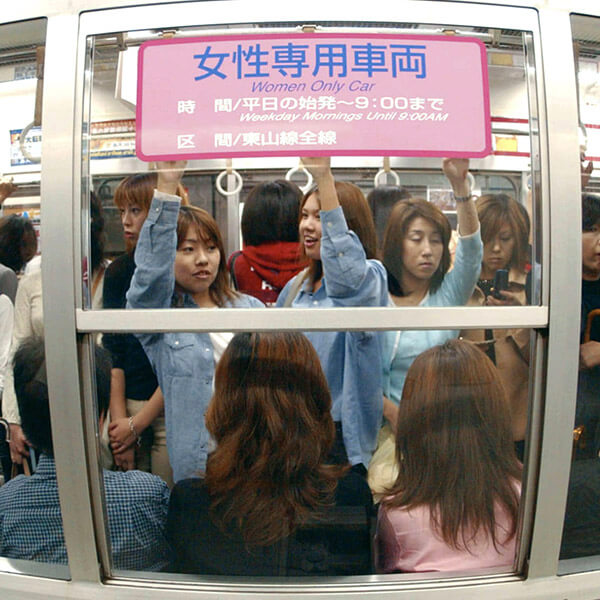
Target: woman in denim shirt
(338,236)
(180,261)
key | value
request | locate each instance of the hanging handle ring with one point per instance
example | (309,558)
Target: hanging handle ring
(24,151)
(381,172)
(298,169)
(234,191)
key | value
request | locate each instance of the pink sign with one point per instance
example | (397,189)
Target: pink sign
(311,94)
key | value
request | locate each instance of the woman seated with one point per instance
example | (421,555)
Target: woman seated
(455,502)
(270,504)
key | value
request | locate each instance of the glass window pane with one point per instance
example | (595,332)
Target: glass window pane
(30,517)
(405,252)
(234,481)
(580,548)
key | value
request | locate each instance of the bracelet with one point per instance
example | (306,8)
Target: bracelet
(459,199)
(138,439)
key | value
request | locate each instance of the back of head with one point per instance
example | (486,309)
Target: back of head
(590,211)
(31,389)
(18,242)
(270,417)
(401,217)
(454,442)
(498,210)
(271,213)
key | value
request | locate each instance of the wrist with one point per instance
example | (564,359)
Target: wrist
(134,431)
(461,189)
(167,187)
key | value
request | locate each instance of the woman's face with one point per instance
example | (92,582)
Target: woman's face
(196,265)
(310,227)
(498,251)
(422,250)
(132,219)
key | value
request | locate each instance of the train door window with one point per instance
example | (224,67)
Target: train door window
(423,309)
(580,547)
(31,526)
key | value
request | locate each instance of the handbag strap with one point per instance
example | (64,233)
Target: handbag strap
(295,287)
(6,426)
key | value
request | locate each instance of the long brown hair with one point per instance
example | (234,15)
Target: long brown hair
(497,210)
(454,444)
(358,218)
(208,231)
(270,417)
(403,214)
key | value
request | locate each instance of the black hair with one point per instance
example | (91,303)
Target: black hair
(590,211)
(17,240)
(271,213)
(31,389)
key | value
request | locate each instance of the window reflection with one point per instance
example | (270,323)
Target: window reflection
(442,238)
(30,518)
(580,532)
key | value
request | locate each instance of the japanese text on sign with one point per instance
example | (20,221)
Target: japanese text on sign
(336,94)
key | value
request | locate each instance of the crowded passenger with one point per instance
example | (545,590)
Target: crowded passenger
(29,321)
(268,503)
(338,237)
(136,401)
(31,525)
(180,262)
(454,504)
(581,530)
(417,259)
(18,242)
(270,255)
(505,234)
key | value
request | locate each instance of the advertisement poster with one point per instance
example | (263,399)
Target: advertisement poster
(33,144)
(303,94)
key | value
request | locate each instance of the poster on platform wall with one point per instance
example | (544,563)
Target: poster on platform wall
(313,94)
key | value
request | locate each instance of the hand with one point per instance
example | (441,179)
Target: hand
(589,355)
(120,435)
(318,166)
(7,187)
(18,444)
(125,460)
(455,170)
(169,175)
(508,299)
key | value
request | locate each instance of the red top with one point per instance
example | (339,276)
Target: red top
(262,271)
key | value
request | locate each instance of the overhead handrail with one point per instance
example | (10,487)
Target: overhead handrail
(386,170)
(300,169)
(229,170)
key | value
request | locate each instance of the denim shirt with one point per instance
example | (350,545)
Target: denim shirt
(351,360)
(401,348)
(183,362)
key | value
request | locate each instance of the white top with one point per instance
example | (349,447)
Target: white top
(29,320)
(6,330)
